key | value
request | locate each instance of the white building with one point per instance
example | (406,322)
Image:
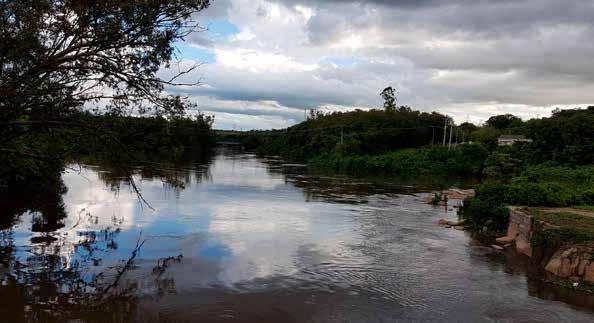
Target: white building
(508,140)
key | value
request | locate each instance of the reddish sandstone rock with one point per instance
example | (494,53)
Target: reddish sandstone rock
(505,239)
(572,262)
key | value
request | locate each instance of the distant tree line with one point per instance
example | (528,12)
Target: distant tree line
(60,58)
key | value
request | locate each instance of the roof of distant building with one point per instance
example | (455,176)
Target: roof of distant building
(511,137)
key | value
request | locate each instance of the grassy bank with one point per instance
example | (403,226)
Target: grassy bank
(562,228)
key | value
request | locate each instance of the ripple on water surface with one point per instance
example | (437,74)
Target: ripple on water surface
(248,239)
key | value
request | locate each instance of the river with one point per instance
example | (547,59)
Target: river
(239,238)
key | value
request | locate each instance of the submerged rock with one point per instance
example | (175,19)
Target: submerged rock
(450,222)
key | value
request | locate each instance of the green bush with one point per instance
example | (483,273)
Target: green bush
(459,160)
(477,212)
(539,185)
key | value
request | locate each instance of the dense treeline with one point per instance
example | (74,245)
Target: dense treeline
(369,141)
(39,151)
(354,133)
(566,137)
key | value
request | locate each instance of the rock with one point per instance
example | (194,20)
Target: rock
(505,240)
(496,247)
(459,227)
(458,194)
(523,247)
(450,222)
(489,222)
(589,273)
(582,267)
(448,226)
(554,265)
(566,263)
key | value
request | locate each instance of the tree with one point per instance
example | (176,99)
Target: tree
(504,121)
(389,96)
(467,127)
(58,55)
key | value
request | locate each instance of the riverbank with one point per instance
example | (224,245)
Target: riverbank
(559,241)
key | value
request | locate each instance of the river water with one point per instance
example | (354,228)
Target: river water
(238,238)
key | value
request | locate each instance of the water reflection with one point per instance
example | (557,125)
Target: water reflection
(254,240)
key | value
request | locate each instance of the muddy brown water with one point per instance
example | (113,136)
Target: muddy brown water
(247,239)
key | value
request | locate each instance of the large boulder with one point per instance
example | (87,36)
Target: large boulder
(572,262)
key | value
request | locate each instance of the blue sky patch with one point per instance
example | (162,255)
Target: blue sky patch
(219,29)
(199,54)
(340,61)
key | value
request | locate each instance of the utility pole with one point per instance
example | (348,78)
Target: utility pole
(451,130)
(445,130)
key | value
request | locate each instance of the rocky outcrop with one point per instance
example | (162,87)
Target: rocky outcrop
(572,262)
(575,262)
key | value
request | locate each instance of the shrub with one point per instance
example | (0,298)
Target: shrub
(477,212)
(460,160)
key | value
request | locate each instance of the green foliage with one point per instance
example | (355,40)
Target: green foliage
(437,197)
(477,212)
(486,136)
(38,153)
(504,121)
(389,96)
(566,137)
(58,55)
(501,166)
(460,160)
(348,146)
(149,138)
(364,132)
(539,185)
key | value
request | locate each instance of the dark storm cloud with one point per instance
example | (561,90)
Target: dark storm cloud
(532,54)
(470,18)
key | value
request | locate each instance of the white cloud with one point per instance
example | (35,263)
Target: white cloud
(462,57)
(259,61)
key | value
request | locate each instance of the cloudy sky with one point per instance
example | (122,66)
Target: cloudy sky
(266,61)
